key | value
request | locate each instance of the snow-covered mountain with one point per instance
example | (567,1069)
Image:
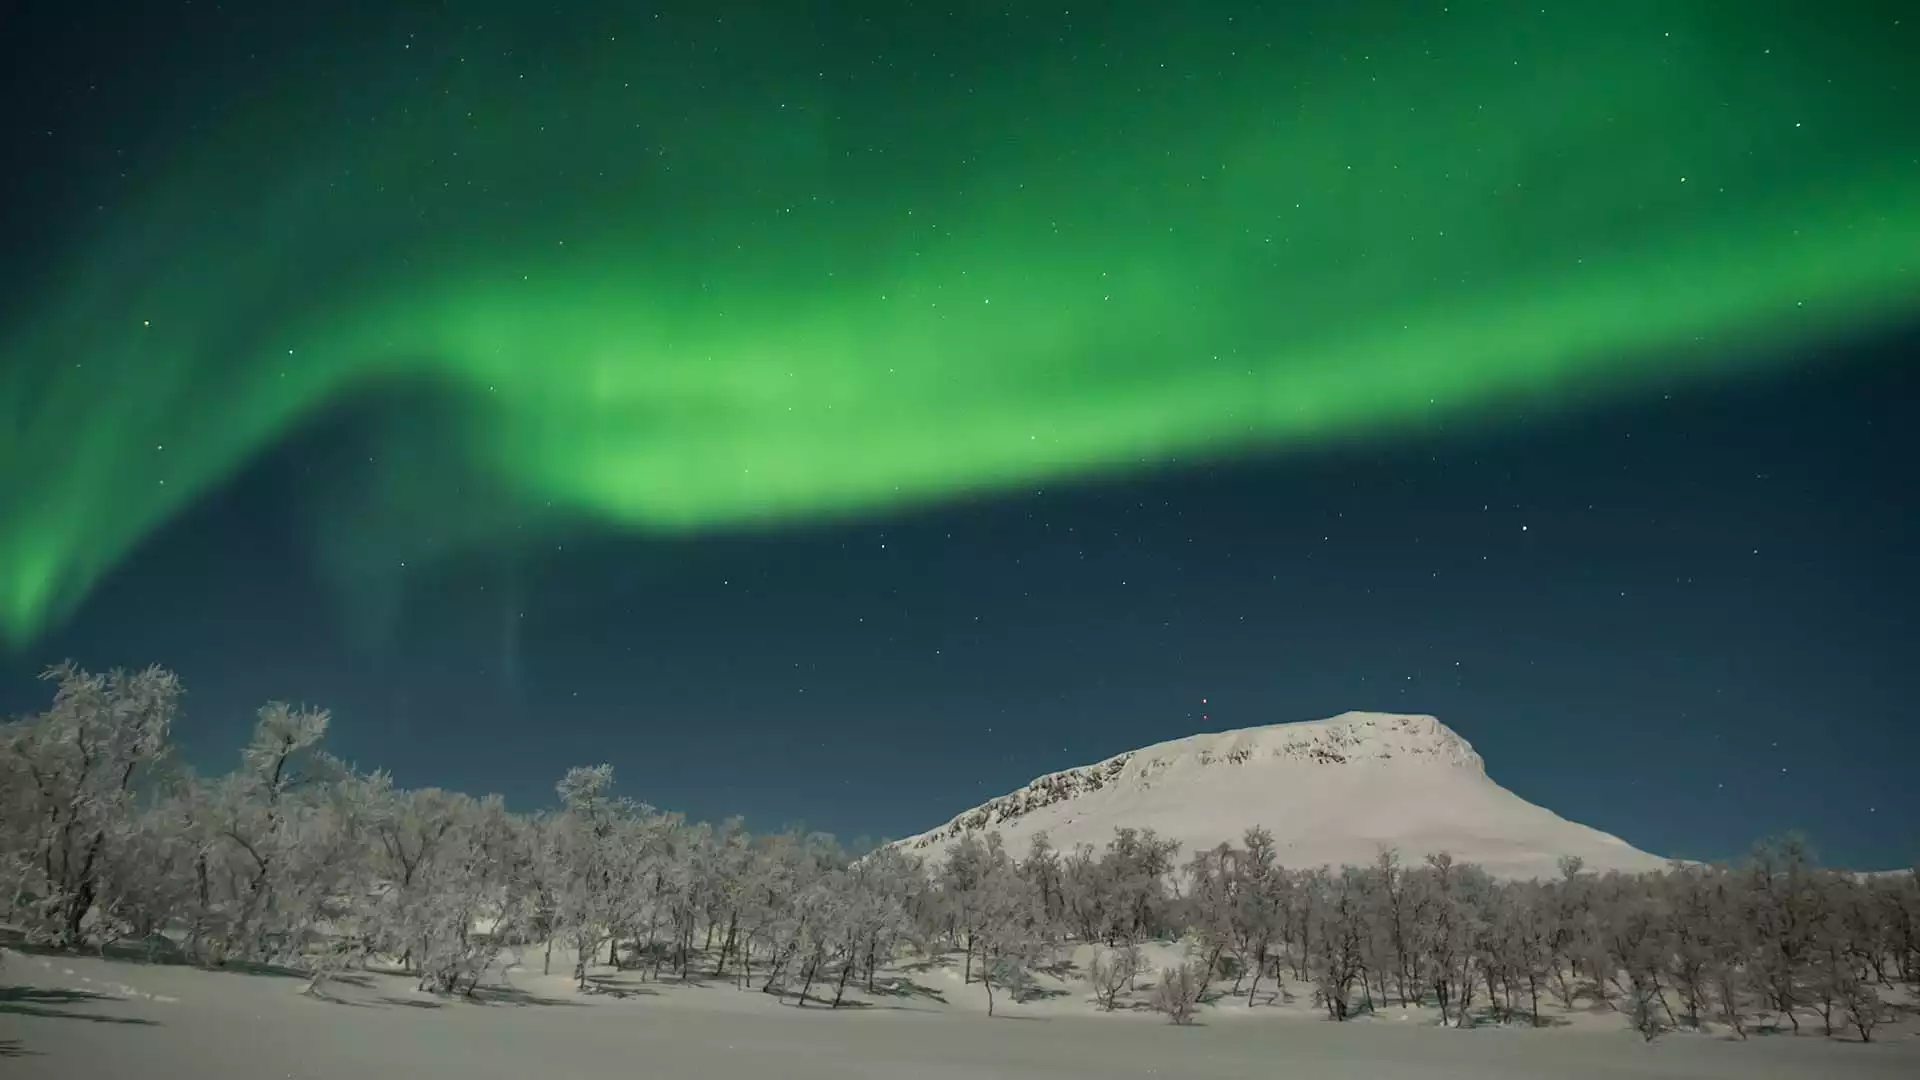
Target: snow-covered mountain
(1331,791)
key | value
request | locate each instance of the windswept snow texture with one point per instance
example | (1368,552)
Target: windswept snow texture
(1332,792)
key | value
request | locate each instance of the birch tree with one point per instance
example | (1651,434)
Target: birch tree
(76,775)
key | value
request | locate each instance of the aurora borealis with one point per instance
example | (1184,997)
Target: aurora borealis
(847,412)
(665,271)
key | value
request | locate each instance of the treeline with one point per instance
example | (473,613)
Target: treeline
(296,859)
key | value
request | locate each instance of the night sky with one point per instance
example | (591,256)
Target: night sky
(843,417)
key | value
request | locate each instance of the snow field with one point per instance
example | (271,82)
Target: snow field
(68,1016)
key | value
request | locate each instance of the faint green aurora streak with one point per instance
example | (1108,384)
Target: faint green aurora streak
(670,309)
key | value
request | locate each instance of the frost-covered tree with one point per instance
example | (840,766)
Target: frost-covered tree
(1784,909)
(277,836)
(587,861)
(1004,927)
(1208,910)
(1898,916)
(729,865)
(1526,934)
(1388,940)
(1139,863)
(1256,904)
(962,890)
(1086,899)
(1176,993)
(1042,871)
(1846,945)
(1688,939)
(1111,970)
(410,831)
(880,911)
(785,911)
(74,777)
(1632,953)
(293,858)
(477,895)
(1449,921)
(1337,932)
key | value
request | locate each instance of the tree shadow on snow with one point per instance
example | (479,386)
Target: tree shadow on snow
(907,988)
(612,986)
(254,967)
(34,1001)
(485,996)
(1064,970)
(155,951)
(1901,1010)
(1491,1017)
(821,1001)
(664,978)
(922,966)
(330,999)
(516,997)
(1764,1029)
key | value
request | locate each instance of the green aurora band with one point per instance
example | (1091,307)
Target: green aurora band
(686,276)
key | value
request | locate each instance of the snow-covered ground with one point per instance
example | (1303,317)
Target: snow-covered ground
(66,1017)
(1332,792)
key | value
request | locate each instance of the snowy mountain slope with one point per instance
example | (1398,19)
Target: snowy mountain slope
(1331,791)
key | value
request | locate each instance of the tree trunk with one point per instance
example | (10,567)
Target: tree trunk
(1730,1005)
(84,891)
(780,960)
(1212,959)
(726,944)
(1660,995)
(986,980)
(1306,943)
(200,913)
(78,905)
(813,968)
(846,968)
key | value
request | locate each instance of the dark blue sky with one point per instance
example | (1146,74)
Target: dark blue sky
(1684,621)
(1685,618)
